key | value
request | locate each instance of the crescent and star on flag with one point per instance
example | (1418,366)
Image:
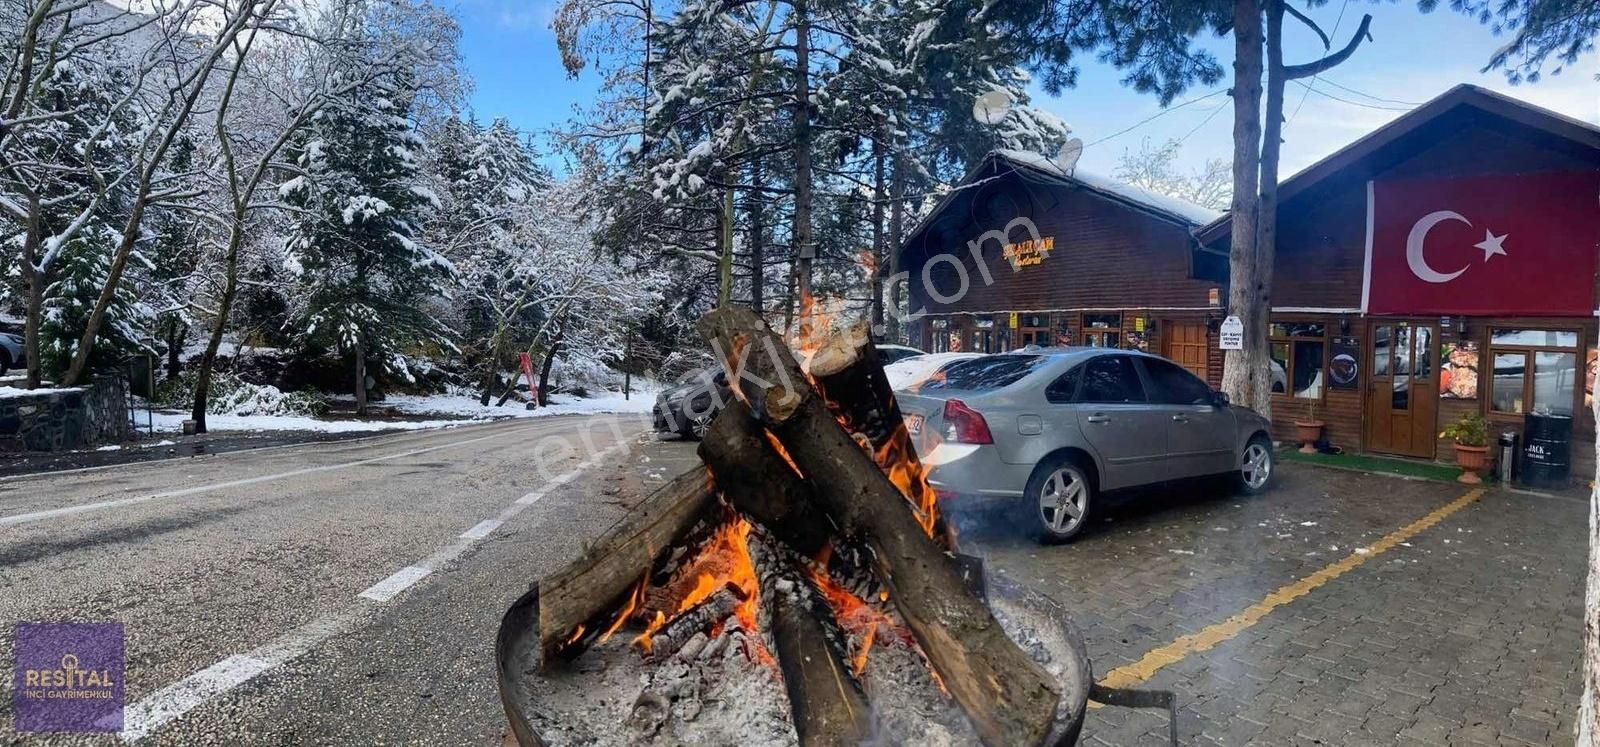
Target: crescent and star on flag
(1491,245)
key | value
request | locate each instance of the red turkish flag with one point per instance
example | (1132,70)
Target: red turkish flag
(1497,245)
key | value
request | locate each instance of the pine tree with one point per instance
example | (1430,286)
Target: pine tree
(365,279)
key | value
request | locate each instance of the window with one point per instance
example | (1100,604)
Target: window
(1534,371)
(1102,330)
(988,372)
(1299,352)
(1034,329)
(1110,379)
(1065,386)
(1172,385)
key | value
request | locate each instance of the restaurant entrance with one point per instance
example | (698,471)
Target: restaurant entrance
(1403,390)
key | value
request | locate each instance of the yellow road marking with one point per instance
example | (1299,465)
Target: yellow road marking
(1152,662)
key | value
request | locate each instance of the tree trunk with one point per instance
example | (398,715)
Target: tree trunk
(1244,371)
(491,374)
(361,377)
(97,317)
(30,330)
(577,602)
(804,250)
(758,229)
(542,396)
(174,348)
(1009,698)
(725,248)
(897,223)
(1267,218)
(208,359)
(1588,726)
(879,240)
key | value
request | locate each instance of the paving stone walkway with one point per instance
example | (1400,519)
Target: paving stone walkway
(1467,633)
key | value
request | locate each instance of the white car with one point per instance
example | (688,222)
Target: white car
(910,371)
(11,347)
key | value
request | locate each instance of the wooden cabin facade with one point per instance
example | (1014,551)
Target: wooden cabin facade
(1025,253)
(1445,264)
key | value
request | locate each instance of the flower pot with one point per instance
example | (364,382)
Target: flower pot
(1308,433)
(1471,460)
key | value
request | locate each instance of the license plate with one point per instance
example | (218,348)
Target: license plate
(914,424)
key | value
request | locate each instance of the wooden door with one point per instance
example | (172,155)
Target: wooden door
(1403,388)
(1184,343)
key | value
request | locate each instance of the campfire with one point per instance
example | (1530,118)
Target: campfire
(802,589)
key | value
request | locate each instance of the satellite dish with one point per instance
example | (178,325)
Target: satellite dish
(991,108)
(1070,152)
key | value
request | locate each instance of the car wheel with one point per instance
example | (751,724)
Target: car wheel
(1059,496)
(700,425)
(1255,466)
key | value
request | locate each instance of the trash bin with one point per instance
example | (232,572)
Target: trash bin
(1508,457)
(1546,451)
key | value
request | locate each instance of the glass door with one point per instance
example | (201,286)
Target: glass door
(1403,389)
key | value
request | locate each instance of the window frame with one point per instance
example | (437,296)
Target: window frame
(1287,395)
(1578,350)
(1084,329)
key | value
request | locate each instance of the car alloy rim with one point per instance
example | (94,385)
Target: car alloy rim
(1257,465)
(700,425)
(1063,500)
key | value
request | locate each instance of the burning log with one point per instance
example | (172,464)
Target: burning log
(714,609)
(579,602)
(849,376)
(1009,698)
(827,703)
(754,477)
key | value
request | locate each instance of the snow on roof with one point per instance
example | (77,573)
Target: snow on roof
(1173,206)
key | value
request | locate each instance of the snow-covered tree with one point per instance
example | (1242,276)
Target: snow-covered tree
(1154,169)
(364,278)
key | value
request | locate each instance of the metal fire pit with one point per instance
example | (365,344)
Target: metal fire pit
(517,658)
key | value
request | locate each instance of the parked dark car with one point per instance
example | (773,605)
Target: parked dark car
(11,347)
(688,409)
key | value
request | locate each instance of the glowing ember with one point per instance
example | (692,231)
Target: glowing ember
(854,614)
(724,559)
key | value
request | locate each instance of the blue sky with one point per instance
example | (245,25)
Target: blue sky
(511,54)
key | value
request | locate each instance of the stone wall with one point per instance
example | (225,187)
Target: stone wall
(64,419)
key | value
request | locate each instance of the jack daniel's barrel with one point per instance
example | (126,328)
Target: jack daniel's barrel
(1546,451)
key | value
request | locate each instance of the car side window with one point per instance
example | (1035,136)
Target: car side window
(1173,385)
(1061,390)
(1111,379)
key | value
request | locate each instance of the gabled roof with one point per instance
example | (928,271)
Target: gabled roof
(1580,133)
(1000,162)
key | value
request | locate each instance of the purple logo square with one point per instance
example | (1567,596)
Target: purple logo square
(69,677)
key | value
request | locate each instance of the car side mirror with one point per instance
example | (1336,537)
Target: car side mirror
(1219,399)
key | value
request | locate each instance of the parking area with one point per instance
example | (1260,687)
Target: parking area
(1338,609)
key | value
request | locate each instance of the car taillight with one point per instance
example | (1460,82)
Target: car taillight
(963,425)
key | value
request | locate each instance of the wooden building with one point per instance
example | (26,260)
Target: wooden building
(1024,252)
(1444,264)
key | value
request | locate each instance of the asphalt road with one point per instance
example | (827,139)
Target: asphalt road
(328,593)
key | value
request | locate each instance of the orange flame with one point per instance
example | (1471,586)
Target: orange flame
(724,559)
(910,476)
(634,599)
(854,614)
(778,447)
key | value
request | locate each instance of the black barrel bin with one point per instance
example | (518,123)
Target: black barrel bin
(1546,451)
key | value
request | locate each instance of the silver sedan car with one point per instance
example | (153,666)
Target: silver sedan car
(1052,429)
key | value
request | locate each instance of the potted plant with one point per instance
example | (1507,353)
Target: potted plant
(1309,431)
(1471,434)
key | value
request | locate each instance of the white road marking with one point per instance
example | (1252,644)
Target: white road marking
(70,510)
(401,580)
(177,699)
(481,529)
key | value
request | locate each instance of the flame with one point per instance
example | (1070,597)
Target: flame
(635,597)
(724,559)
(854,614)
(576,634)
(910,476)
(778,447)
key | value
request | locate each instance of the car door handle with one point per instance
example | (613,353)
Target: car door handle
(1180,418)
(1097,419)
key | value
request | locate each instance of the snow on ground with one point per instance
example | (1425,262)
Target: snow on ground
(446,410)
(910,371)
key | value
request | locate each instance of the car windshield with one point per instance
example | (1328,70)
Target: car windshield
(982,374)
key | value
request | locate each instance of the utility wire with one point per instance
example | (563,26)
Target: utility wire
(1365,105)
(1307,94)
(1157,115)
